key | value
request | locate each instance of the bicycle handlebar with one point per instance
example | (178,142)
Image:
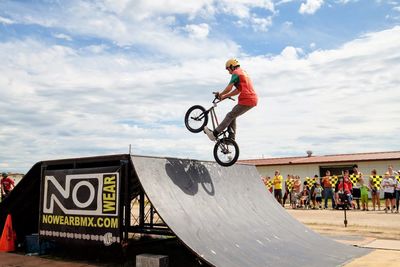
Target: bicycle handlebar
(216,94)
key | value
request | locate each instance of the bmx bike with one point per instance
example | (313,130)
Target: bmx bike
(226,150)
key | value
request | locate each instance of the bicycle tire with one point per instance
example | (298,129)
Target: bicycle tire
(196,114)
(232,148)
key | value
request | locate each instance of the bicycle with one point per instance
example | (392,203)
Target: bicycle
(226,150)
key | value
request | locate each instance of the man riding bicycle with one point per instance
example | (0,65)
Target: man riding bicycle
(247,99)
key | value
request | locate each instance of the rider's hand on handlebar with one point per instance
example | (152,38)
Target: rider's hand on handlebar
(221,97)
(217,95)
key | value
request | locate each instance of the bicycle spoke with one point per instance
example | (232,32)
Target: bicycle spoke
(196,120)
(226,152)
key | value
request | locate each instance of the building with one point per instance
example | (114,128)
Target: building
(308,166)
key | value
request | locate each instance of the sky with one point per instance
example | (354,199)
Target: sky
(90,78)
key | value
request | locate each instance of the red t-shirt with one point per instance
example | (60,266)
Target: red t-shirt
(347,186)
(6,183)
(242,82)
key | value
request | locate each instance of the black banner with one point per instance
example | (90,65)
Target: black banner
(81,205)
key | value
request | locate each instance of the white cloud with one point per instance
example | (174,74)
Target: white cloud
(328,101)
(62,36)
(98,98)
(147,25)
(284,2)
(198,31)
(6,21)
(345,1)
(291,53)
(67,102)
(311,6)
(242,9)
(261,24)
(118,21)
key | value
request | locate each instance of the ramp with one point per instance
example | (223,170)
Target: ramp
(226,217)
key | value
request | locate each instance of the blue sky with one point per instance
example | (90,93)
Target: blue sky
(85,78)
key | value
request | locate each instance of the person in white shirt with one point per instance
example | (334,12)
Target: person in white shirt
(392,174)
(387,186)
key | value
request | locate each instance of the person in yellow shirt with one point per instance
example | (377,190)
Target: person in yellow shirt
(277,181)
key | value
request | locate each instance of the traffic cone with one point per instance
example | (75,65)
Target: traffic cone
(7,241)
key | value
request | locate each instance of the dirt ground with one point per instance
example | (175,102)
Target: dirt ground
(375,230)
(375,224)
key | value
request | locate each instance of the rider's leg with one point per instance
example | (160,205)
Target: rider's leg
(230,117)
(232,130)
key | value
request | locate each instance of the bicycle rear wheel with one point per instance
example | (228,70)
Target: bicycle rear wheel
(196,118)
(226,152)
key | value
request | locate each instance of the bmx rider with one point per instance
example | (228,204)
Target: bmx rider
(247,99)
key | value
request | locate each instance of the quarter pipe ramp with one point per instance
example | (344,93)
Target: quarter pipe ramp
(226,216)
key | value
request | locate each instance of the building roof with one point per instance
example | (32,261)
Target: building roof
(350,158)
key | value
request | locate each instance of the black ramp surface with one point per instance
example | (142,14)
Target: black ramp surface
(227,217)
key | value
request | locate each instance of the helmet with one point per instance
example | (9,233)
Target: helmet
(233,62)
(4,174)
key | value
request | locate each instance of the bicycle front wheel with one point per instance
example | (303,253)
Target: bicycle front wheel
(196,118)
(226,152)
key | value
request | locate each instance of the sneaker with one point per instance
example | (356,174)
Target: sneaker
(231,136)
(209,133)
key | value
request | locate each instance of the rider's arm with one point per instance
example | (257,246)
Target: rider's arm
(227,92)
(227,89)
(233,93)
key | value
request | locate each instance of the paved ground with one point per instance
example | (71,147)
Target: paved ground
(376,231)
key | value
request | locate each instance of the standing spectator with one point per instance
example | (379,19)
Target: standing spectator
(296,191)
(388,189)
(392,175)
(287,189)
(375,190)
(318,193)
(277,181)
(397,192)
(364,194)
(305,194)
(356,188)
(312,195)
(391,171)
(328,189)
(7,184)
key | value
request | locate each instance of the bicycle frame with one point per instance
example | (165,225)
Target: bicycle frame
(213,115)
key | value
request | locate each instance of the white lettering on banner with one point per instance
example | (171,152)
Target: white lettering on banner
(75,194)
(97,184)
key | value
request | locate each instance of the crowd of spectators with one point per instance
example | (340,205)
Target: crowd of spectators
(344,191)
